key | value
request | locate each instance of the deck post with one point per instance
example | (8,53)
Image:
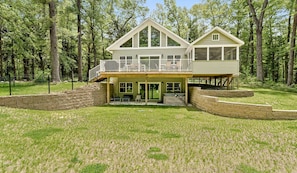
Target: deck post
(228,81)
(108,90)
(146,90)
(186,91)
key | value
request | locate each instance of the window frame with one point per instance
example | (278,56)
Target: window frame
(126,87)
(215,37)
(173,86)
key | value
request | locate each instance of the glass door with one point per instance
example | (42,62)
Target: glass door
(154,91)
(151,63)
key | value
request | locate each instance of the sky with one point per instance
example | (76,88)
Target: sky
(151,4)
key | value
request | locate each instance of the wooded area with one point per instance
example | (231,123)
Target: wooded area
(41,37)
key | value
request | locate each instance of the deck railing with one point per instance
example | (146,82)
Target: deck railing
(94,72)
(142,65)
(145,65)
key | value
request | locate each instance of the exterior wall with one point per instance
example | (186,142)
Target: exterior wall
(90,95)
(148,51)
(237,110)
(216,67)
(208,40)
(136,82)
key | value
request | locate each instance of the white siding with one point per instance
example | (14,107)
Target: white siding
(223,40)
(216,67)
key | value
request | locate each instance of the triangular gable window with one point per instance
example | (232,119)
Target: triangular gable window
(171,42)
(143,38)
(127,43)
(155,37)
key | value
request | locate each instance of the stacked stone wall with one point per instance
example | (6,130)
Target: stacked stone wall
(213,105)
(89,95)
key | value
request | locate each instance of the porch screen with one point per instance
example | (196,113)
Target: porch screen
(200,53)
(229,53)
(215,53)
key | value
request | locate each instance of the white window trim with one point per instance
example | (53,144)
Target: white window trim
(215,34)
(125,87)
(212,46)
(173,86)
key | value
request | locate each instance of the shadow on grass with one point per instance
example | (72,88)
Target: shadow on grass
(243,168)
(274,93)
(42,133)
(145,106)
(94,168)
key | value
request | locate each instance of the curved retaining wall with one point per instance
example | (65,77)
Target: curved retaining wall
(89,95)
(212,105)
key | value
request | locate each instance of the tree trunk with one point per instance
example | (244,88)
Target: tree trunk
(26,69)
(79,51)
(55,63)
(94,45)
(285,71)
(259,28)
(1,57)
(89,56)
(13,60)
(251,45)
(33,68)
(292,47)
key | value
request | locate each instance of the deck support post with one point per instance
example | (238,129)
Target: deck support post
(186,91)
(146,91)
(108,90)
(228,81)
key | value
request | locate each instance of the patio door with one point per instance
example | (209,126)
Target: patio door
(154,91)
(151,62)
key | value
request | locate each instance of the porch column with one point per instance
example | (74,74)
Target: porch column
(108,90)
(186,91)
(146,91)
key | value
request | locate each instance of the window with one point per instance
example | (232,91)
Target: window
(126,87)
(173,59)
(229,53)
(171,42)
(215,53)
(155,37)
(143,38)
(127,43)
(125,60)
(215,37)
(173,87)
(200,53)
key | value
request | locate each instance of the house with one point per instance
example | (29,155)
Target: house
(152,64)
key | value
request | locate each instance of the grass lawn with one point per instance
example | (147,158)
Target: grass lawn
(25,88)
(278,99)
(143,139)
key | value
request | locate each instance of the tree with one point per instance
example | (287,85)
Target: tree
(292,47)
(55,63)
(79,51)
(258,20)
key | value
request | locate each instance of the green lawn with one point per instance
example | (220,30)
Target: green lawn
(143,139)
(24,88)
(278,99)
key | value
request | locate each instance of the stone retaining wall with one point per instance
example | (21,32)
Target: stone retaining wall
(237,110)
(89,95)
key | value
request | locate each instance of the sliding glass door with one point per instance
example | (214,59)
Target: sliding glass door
(154,91)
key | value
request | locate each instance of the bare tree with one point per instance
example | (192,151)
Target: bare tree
(259,28)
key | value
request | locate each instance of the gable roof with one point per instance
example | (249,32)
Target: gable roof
(220,30)
(148,22)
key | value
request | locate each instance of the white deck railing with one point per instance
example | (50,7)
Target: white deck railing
(142,65)
(94,72)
